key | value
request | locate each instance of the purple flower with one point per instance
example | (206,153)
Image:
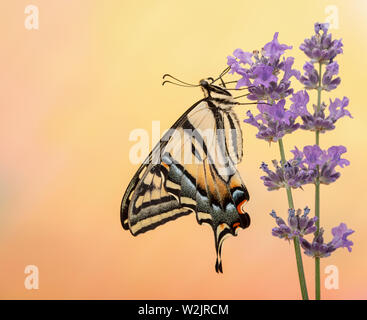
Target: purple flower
(290,175)
(298,225)
(340,234)
(317,248)
(266,74)
(273,92)
(312,156)
(320,249)
(273,49)
(318,121)
(319,163)
(320,47)
(334,155)
(337,109)
(234,64)
(300,100)
(273,121)
(243,57)
(321,26)
(311,77)
(288,71)
(329,82)
(244,81)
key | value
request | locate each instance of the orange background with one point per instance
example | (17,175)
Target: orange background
(71,93)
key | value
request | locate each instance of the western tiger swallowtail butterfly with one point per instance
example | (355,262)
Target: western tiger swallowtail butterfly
(193,170)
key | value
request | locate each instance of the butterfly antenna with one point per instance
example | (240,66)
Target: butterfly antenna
(238,89)
(233,81)
(247,103)
(223,73)
(178,84)
(186,84)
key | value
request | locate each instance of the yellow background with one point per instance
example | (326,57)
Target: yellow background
(71,93)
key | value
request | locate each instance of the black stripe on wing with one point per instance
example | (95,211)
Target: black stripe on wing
(126,199)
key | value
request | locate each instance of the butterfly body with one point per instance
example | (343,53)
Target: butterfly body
(193,169)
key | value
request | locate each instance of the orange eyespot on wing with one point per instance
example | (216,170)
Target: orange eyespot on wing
(240,207)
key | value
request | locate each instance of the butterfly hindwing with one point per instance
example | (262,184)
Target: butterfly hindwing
(147,211)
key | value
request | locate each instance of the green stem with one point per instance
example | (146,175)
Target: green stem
(317,278)
(297,250)
(317,195)
(317,203)
(317,137)
(317,259)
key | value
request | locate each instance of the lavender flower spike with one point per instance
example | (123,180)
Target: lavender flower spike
(317,248)
(314,157)
(273,121)
(320,249)
(265,72)
(298,225)
(318,120)
(320,47)
(291,175)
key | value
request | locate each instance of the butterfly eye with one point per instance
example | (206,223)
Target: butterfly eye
(203,83)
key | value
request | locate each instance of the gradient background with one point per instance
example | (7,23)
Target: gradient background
(72,92)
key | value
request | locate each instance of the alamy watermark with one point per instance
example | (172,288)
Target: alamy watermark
(332,16)
(31,21)
(31,281)
(187,146)
(332,278)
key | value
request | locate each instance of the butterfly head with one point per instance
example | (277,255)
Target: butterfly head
(213,91)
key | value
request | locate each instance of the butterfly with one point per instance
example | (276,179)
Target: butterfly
(192,169)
